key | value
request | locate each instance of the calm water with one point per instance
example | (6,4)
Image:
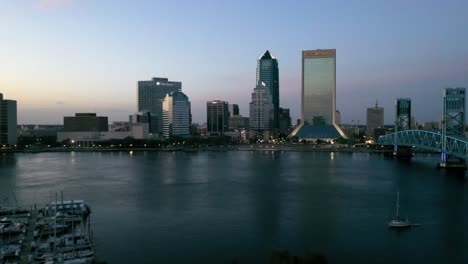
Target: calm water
(214,206)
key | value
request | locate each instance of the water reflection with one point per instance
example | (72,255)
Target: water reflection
(175,207)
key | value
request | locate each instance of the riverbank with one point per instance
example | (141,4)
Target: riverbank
(252,147)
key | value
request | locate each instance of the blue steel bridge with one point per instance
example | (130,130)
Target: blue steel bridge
(428,140)
(450,141)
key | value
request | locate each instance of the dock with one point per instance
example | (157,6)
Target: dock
(28,238)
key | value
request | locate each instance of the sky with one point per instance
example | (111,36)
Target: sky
(59,57)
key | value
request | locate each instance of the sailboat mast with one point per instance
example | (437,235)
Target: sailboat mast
(398,204)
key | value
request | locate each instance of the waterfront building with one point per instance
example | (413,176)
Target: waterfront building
(374,119)
(85,122)
(318,96)
(268,72)
(284,121)
(151,95)
(217,117)
(84,129)
(176,115)
(146,117)
(261,112)
(233,110)
(39,130)
(238,122)
(8,122)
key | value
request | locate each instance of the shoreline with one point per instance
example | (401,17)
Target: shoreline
(257,148)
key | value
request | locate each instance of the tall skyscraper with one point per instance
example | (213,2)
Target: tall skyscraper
(176,115)
(151,95)
(8,122)
(374,119)
(217,117)
(261,112)
(268,72)
(318,96)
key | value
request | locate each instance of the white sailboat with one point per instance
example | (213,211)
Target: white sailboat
(399,222)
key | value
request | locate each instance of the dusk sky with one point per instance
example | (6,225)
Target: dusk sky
(58,57)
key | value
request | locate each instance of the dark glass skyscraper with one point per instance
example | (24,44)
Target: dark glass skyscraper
(268,72)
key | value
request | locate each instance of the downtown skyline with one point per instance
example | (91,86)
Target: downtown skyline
(62,57)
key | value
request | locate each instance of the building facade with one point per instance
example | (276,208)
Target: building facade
(151,95)
(217,117)
(268,72)
(238,122)
(147,118)
(261,111)
(8,122)
(318,96)
(374,119)
(284,121)
(85,122)
(233,110)
(176,115)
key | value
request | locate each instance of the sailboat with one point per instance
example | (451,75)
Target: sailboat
(399,222)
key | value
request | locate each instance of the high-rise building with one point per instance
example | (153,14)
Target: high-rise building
(233,110)
(374,119)
(318,96)
(268,72)
(8,122)
(284,121)
(176,115)
(217,117)
(85,122)
(261,112)
(151,94)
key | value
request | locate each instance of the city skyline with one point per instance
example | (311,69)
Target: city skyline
(64,58)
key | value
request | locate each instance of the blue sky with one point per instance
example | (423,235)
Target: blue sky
(58,57)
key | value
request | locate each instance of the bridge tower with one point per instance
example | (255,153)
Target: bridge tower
(403,114)
(453,123)
(402,122)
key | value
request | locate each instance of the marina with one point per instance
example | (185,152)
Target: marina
(59,233)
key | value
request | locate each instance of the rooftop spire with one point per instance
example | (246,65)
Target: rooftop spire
(267,55)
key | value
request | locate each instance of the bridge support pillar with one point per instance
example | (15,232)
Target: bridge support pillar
(402,151)
(449,162)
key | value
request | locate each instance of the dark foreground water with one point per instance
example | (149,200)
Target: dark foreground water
(212,207)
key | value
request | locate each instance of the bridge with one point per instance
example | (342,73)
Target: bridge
(450,141)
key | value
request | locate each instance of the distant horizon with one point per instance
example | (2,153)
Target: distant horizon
(69,56)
